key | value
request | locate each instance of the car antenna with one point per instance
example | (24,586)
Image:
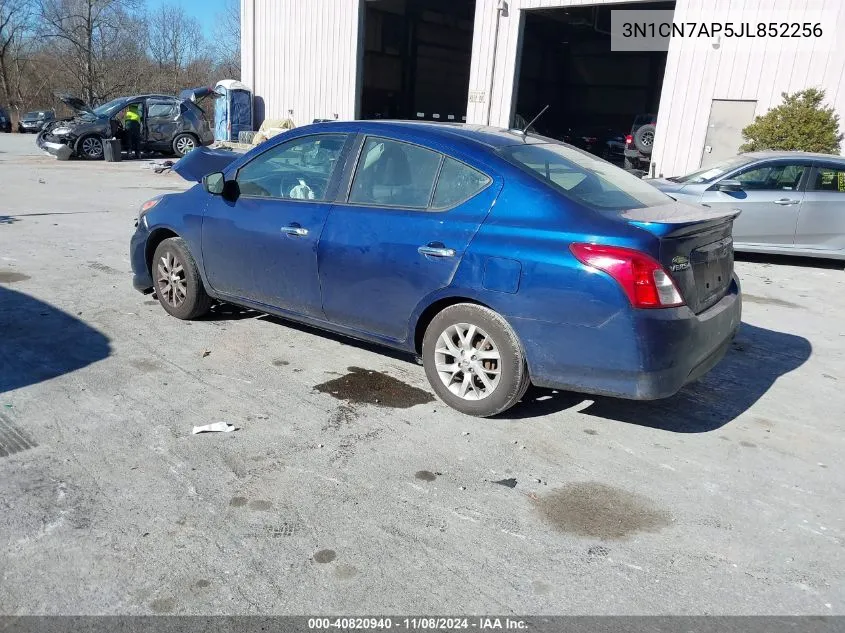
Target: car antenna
(533,121)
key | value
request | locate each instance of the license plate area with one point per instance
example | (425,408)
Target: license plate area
(712,266)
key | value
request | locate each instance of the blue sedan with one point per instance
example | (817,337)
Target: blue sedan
(502,259)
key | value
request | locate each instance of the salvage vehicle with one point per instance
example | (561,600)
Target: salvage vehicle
(792,203)
(640,142)
(169,125)
(5,121)
(501,258)
(35,121)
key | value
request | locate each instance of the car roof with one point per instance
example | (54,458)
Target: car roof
(487,136)
(768,154)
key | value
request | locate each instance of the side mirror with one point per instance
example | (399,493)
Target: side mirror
(214,183)
(729,185)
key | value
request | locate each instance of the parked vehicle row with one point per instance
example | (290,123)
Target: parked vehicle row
(5,121)
(502,259)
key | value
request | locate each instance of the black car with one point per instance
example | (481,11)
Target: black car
(170,125)
(35,121)
(5,121)
(639,143)
(601,141)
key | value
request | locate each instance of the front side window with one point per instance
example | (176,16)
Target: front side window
(584,178)
(828,179)
(394,174)
(772,177)
(297,170)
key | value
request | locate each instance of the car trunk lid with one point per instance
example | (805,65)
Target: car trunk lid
(696,248)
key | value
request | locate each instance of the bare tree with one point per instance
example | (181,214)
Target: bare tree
(91,35)
(175,41)
(227,40)
(15,23)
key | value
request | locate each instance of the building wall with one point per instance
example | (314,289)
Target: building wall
(694,75)
(302,55)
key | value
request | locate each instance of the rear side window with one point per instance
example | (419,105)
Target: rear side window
(829,179)
(457,183)
(394,174)
(584,178)
(161,109)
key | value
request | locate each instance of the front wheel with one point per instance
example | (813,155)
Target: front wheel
(474,361)
(90,148)
(177,280)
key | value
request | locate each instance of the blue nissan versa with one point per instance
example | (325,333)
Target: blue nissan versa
(500,258)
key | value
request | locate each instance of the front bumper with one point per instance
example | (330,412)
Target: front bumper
(142,280)
(646,355)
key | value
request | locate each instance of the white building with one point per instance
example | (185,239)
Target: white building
(486,61)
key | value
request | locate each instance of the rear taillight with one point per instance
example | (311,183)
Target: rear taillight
(629,139)
(643,279)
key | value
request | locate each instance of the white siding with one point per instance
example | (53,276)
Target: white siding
(696,76)
(302,55)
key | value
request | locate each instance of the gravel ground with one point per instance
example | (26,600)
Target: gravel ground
(348,488)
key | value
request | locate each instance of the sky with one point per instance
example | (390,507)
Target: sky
(202,10)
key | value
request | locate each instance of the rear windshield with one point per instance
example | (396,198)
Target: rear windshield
(584,178)
(709,174)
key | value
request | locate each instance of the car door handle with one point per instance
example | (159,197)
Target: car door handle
(785,201)
(436,251)
(295,230)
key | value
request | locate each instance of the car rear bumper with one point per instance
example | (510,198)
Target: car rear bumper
(647,355)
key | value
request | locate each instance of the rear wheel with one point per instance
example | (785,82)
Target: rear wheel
(474,361)
(183,144)
(177,281)
(90,147)
(644,139)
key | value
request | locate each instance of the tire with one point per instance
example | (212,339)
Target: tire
(644,139)
(90,147)
(173,261)
(491,333)
(184,143)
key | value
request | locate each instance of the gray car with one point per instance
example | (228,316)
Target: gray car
(792,203)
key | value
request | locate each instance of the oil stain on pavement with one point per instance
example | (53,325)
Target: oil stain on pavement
(10,277)
(324,556)
(363,386)
(425,475)
(595,510)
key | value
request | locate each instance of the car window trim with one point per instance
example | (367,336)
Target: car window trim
(329,199)
(389,207)
(823,164)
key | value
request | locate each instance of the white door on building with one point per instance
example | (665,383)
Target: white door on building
(724,129)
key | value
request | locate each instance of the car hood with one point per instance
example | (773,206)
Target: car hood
(77,104)
(203,161)
(666,186)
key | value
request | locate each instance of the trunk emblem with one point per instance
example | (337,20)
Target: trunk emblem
(679,263)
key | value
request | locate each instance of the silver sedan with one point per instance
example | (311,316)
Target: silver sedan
(792,203)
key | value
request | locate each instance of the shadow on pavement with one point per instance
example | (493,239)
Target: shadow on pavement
(8,219)
(39,342)
(757,358)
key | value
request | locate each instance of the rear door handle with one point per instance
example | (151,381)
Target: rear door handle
(436,250)
(294,229)
(785,201)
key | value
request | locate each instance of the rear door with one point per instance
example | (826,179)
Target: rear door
(770,202)
(399,235)
(821,223)
(161,122)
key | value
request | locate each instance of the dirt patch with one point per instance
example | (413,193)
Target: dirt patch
(769,301)
(10,277)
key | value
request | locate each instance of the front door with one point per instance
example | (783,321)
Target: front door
(263,246)
(161,122)
(770,202)
(410,215)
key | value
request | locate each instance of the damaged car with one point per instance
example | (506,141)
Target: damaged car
(169,125)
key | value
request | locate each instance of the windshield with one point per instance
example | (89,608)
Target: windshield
(33,115)
(584,178)
(709,174)
(108,109)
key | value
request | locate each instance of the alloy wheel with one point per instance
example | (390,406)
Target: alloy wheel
(648,139)
(92,147)
(172,284)
(185,144)
(468,361)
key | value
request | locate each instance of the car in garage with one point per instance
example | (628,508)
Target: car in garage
(791,203)
(34,122)
(169,125)
(640,142)
(501,258)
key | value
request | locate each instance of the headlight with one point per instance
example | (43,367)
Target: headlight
(61,131)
